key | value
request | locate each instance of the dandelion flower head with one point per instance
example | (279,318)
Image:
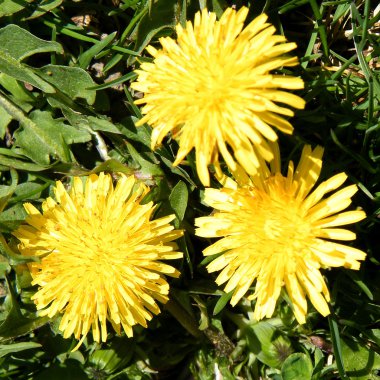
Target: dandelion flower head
(100,256)
(279,231)
(213,89)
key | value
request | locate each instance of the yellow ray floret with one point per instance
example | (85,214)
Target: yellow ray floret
(273,231)
(214,89)
(100,256)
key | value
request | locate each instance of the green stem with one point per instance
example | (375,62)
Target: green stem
(183,317)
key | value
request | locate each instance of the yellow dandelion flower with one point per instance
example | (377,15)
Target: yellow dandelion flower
(280,230)
(213,89)
(100,256)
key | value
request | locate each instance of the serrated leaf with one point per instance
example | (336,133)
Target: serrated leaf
(41,138)
(6,349)
(19,43)
(297,366)
(72,81)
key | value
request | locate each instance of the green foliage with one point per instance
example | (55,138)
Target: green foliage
(66,108)
(268,344)
(297,366)
(16,347)
(360,362)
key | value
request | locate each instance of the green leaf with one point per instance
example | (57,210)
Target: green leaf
(204,321)
(218,6)
(72,81)
(268,344)
(360,159)
(4,266)
(319,362)
(10,190)
(11,218)
(177,170)
(5,119)
(15,324)
(6,349)
(86,57)
(112,165)
(178,199)
(373,335)
(15,69)
(360,284)
(360,362)
(17,89)
(210,365)
(13,109)
(117,355)
(98,124)
(131,132)
(297,366)
(44,7)
(146,167)
(222,302)
(130,76)
(9,7)
(21,165)
(41,138)
(69,370)
(19,43)
(28,190)
(337,344)
(163,15)
(14,258)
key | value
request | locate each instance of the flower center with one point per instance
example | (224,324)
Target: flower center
(284,225)
(91,244)
(210,88)
(277,223)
